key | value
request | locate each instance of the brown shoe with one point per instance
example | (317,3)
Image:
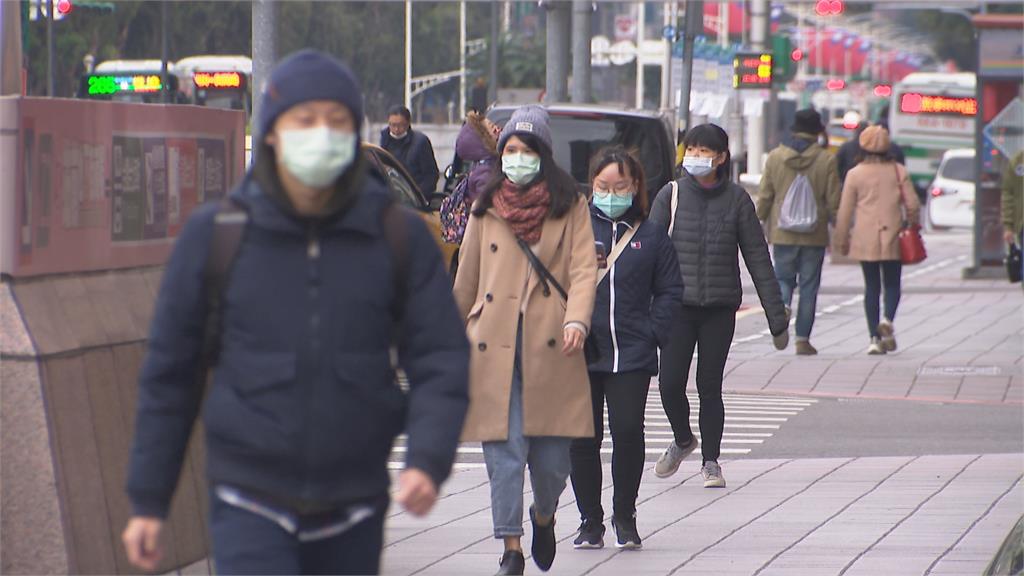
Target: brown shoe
(804,348)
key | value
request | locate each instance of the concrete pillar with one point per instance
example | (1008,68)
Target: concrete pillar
(264,52)
(559,32)
(582,12)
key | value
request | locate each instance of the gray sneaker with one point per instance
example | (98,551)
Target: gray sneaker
(674,455)
(712,475)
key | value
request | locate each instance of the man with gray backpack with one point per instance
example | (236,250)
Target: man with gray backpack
(798,198)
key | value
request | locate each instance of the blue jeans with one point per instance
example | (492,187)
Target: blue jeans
(547,456)
(800,265)
(875,275)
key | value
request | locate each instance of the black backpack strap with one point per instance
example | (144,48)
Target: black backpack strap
(229,226)
(396,234)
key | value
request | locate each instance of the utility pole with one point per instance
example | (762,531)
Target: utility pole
(559,27)
(462,59)
(694,26)
(581,27)
(492,82)
(759,24)
(264,53)
(408,54)
(641,19)
(165,89)
(51,56)
(666,65)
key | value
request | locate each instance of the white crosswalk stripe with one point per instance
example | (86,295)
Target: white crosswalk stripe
(750,420)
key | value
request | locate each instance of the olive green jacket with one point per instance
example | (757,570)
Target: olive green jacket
(1013,194)
(798,155)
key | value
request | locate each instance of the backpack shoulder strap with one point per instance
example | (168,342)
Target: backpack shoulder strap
(229,226)
(674,205)
(396,235)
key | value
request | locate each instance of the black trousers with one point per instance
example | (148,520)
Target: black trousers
(710,331)
(626,393)
(877,274)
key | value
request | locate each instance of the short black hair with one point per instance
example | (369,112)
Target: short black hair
(711,136)
(399,110)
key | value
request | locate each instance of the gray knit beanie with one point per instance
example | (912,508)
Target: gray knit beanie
(532,120)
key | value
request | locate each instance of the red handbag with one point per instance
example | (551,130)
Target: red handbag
(912,249)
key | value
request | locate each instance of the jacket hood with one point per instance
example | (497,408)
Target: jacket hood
(474,142)
(799,153)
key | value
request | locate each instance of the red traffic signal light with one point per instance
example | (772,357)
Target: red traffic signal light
(796,55)
(883,90)
(836,84)
(64,7)
(829,7)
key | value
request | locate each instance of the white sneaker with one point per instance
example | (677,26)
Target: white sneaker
(887,334)
(712,473)
(876,348)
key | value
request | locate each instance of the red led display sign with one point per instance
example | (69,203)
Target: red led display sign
(752,70)
(914,103)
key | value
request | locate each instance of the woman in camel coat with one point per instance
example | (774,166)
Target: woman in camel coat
(878,200)
(529,388)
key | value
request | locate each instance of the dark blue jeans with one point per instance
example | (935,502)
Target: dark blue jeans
(875,275)
(247,543)
(800,265)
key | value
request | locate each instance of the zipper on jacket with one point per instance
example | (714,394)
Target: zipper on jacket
(611,298)
(313,284)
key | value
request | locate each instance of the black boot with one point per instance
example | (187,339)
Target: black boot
(512,562)
(543,548)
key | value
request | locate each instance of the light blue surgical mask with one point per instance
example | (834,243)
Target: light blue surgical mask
(613,205)
(317,156)
(520,168)
(698,166)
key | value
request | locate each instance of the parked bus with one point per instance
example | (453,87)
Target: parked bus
(129,81)
(932,113)
(216,81)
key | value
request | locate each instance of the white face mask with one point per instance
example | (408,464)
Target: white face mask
(317,156)
(698,166)
(399,136)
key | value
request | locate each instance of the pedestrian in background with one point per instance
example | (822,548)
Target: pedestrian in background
(850,154)
(878,201)
(639,297)
(799,256)
(529,238)
(477,148)
(303,407)
(710,220)
(1013,200)
(413,149)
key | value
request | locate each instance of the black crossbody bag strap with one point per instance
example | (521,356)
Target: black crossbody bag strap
(546,278)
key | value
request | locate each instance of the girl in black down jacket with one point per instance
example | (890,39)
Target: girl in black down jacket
(638,302)
(713,221)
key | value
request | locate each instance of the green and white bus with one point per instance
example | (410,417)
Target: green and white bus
(932,113)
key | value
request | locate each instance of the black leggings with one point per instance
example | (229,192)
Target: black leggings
(627,401)
(710,330)
(875,274)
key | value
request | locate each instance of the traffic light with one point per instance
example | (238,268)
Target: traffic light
(784,68)
(883,90)
(796,55)
(829,7)
(64,7)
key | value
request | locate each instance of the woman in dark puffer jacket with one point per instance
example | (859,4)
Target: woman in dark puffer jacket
(714,219)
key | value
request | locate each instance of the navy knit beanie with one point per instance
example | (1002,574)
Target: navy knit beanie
(309,75)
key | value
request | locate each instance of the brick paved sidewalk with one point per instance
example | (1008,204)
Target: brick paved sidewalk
(942,515)
(960,340)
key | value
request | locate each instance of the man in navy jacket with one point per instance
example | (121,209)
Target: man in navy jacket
(303,406)
(413,149)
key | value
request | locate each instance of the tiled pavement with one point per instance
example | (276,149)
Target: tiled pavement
(943,515)
(960,340)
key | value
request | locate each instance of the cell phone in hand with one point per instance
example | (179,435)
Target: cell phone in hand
(602,254)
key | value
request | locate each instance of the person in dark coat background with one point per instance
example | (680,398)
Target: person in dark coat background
(413,149)
(638,300)
(715,220)
(303,407)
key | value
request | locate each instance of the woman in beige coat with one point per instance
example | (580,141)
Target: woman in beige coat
(878,201)
(529,390)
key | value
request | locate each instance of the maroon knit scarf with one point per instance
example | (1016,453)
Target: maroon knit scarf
(524,209)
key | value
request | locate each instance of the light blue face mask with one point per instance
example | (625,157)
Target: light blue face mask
(317,156)
(613,205)
(698,166)
(520,168)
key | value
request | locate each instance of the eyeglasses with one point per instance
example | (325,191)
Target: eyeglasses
(621,190)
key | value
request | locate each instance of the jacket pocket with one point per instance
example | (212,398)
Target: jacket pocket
(371,379)
(256,373)
(252,401)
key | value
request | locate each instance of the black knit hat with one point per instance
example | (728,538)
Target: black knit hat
(808,121)
(309,75)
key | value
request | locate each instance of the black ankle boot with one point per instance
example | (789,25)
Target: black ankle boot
(512,562)
(544,543)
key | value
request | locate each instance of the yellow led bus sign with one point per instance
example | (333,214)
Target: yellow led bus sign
(208,80)
(107,84)
(752,70)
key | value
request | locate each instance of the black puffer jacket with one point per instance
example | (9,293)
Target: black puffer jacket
(712,225)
